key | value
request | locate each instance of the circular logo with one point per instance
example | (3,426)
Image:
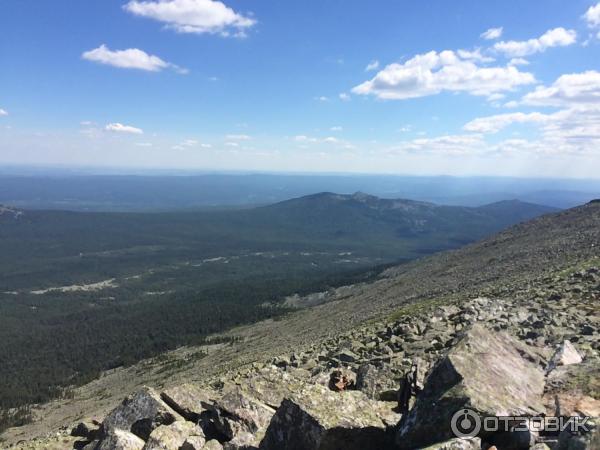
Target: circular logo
(465,423)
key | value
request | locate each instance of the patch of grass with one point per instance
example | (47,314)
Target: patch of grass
(582,265)
(418,308)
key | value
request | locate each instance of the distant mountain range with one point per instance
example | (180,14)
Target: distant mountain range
(146,192)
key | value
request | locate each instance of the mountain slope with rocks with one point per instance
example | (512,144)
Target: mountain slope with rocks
(506,326)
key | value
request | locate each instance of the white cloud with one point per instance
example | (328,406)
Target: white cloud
(474,55)
(462,144)
(331,140)
(143,144)
(495,97)
(592,16)
(518,62)
(570,131)
(344,97)
(322,98)
(568,90)
(3,112)
(238,137)
(193,16)
(492,33)
(305,139)
(493,124)
(373,65)
(120,128)
(132,58)
(557,37)
(432,73)
(336,128)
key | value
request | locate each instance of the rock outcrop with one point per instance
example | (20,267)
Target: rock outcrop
(485,373)
(320,419)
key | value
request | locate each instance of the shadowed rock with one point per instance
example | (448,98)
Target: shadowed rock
(140,414)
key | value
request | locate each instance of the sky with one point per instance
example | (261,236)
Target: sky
(403,87)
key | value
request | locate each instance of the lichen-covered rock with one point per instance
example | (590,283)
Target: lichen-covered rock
(271,385)
(120,440)
(483,372)
(319,419)
(377,383)
(581,377)
(188,400)
(457,444)
(174,436)
(140,414)
(236,413)
(243,441)
(213,444)
(193,443)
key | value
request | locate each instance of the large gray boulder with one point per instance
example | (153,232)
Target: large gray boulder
(120,440)
(189,400)
(320,419)
(241,419)
(484,372)
(378,383)
(175,437)
(140,414)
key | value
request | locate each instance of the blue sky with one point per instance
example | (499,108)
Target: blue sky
(286,86)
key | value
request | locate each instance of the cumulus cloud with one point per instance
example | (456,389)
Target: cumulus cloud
(568,90)
(492,33)
(344,97)
(433,72)
(373,65)
(460,144)
(193,16)
(3,112)
(337,128)
(493,124)
(518,62)
(120,128)
(592,16)
(131,58)
(557,37)
(474,55)
(573,131)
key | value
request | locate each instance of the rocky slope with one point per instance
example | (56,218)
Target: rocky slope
(506,326)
